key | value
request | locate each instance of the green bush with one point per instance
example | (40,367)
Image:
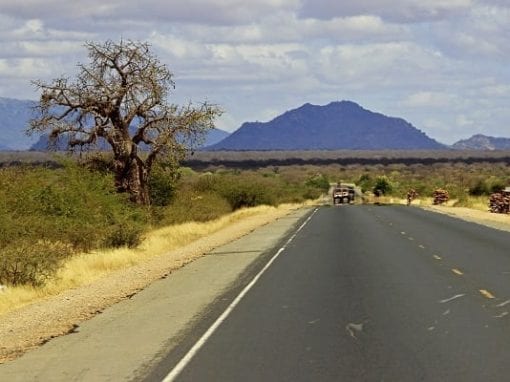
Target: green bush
(162,184)
(123,234)
(318,181)
(190,205)
(71,205)
(246,194)
(383,185)
(479,188)
(31,263)
(365,182)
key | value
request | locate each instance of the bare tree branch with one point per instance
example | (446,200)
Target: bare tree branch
(120,97)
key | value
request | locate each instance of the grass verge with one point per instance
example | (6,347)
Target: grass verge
(85,268)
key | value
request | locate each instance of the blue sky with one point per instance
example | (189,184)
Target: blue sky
(443,65)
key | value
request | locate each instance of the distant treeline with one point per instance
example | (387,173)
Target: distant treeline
(258,159)
(252,160)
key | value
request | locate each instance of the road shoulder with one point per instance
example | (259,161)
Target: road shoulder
(131,336)
(492,220)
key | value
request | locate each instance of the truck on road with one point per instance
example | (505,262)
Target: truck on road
(343,194)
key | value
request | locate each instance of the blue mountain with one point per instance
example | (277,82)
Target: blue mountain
(336,126)
(15,115)
(212,137)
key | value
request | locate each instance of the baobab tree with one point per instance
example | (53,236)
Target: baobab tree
(120,97)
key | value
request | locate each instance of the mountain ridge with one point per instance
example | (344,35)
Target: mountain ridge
(482,142)
(15,116)
(337,125)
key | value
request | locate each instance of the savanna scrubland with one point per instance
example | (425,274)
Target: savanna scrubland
(60,210)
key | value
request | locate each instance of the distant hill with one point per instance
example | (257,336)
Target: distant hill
(14,117)
(213,136)
(338,125)
(482,142)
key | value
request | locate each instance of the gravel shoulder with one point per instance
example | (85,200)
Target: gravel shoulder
(35,324)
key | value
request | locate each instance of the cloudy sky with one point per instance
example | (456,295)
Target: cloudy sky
(443,65)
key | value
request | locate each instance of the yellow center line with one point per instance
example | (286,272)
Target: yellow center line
(487,294)
(457,272)
(437,257)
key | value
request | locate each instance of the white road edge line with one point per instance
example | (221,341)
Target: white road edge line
(174,373)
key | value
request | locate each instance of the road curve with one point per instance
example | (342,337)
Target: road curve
(369,293)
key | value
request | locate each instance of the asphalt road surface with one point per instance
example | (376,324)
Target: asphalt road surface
(368,293)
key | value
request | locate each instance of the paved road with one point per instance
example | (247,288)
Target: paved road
(369,293)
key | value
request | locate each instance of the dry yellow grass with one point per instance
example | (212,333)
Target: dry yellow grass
(86,268)
(479,203)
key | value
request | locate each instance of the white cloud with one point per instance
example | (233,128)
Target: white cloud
(430,100)
(229,12)
(437,63)
(463,121)
(405,11)
(496,90)
(482,34)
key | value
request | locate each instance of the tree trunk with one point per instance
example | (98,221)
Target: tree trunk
(131,176)
(138,183)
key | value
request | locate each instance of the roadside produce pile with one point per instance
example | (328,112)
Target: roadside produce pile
(440,196)
(499,202)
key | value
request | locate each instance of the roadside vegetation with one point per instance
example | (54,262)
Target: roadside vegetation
(50,215)
(64,224)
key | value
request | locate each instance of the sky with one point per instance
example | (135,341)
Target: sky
(443,65)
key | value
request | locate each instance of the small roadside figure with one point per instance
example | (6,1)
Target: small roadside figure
(411,195)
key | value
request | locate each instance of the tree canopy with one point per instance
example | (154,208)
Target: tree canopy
(120,97)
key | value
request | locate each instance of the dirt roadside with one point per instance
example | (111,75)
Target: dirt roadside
(497,221)
(35,324)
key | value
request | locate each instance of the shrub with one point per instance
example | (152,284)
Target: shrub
(31,263)
(123,234)
(71,205)
(365,182)
(246,194)
(479,188)
(318,181)
(162,184)
(383,185)
(189,205)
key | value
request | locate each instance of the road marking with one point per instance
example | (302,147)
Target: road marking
(174,373)
(457,272)
(402,233)
(487,294)
(452,298)
(411,238)
(503,304)
(437,257)
(352,328)
(501,315)
(421,246)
